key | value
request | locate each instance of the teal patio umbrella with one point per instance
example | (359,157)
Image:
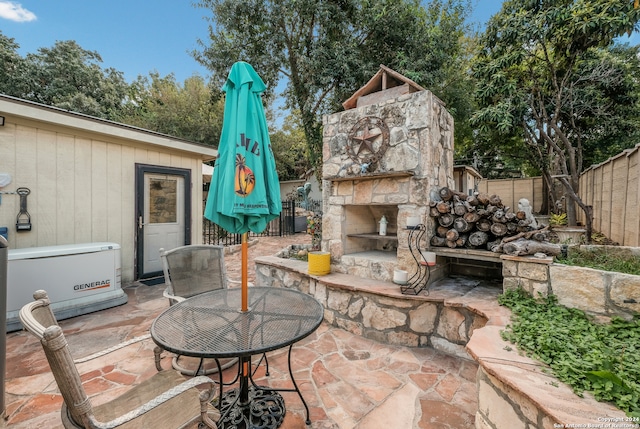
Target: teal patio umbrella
(245,191)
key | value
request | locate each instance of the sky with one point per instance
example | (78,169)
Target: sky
(135,37)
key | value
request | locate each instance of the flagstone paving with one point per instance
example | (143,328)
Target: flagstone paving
(348,381)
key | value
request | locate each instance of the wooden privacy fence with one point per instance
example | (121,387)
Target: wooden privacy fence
(511,190)
(611,188)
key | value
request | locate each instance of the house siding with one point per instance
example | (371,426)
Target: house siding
(82,183)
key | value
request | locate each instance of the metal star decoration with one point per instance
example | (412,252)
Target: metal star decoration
(368,140)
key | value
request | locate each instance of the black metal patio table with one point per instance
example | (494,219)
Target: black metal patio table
(211,325)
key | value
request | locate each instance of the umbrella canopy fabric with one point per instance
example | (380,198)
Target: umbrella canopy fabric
(245,190)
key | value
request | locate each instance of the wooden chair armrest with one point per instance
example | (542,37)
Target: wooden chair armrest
(205,398)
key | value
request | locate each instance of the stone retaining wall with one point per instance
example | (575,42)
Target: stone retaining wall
(597,292)
(377,309)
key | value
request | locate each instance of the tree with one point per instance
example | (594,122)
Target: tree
(533,79)
(192,111)
(12,68)
(326,50)
(70,77)
(289,150)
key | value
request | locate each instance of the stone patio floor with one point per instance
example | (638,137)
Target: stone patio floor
(348,381)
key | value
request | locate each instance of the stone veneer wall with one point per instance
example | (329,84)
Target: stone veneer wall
(377,310)
(420,145)
(597,292)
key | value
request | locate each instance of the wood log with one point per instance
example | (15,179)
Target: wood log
(483,213)
(483,198)
(530,247)
(443,207)
(462,240)
(510,216)
(446,219)
(478,238)
(473,200)
(433,212)
(540,236)
(483,225)
(451,244)
(459,208)
(495,246)
(512,228)
(461,225)
(498,216)
(526,235)
(438,241)
(452,235)
(524,222)
(471,217)
(520,215)
(447,194)
(498,229)
(495,200)
(441,231)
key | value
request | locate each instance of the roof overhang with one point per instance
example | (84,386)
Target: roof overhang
(11,106)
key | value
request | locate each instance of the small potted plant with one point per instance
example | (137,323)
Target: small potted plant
(319,262)
(566,234)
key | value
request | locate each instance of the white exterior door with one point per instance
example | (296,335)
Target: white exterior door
(162,217)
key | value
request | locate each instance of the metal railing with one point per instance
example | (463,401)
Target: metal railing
(285,224)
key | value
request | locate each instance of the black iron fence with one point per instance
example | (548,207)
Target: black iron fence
(285,224)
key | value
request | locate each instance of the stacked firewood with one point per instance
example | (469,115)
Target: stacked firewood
(482,221)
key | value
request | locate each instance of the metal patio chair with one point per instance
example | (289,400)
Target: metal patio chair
(164,400)
(189,271)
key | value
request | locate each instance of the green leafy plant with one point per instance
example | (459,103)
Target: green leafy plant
(558,219)
(598,358)
(602,259)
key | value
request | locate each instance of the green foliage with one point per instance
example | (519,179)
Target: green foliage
(328,50)
(289,149)
(597,358)
(544,74)
(70,77)
(558,219)
(189,111)
(606,259)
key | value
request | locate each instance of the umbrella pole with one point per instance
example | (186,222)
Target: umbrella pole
(245,292)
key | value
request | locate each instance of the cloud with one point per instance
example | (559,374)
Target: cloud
(15,12)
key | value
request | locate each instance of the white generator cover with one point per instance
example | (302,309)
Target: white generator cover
(79,278)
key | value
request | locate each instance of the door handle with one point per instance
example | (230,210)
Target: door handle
(140,223)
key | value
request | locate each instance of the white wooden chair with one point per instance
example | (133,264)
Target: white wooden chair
(165,400)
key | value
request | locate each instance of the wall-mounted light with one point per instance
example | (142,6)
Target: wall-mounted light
(1,121)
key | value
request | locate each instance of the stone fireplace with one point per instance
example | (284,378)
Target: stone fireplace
(384,156)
